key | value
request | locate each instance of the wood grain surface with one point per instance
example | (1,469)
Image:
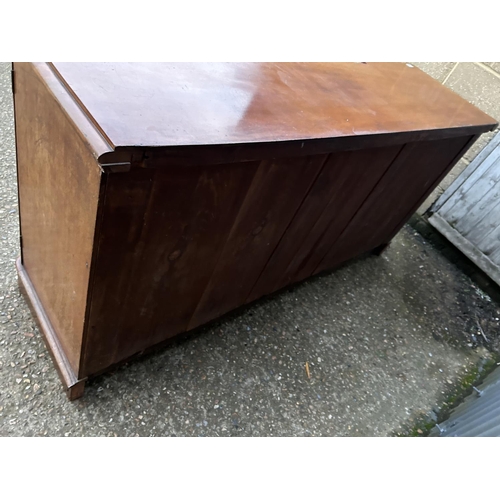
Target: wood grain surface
(345,182)
(162,234)
(162,104)
(418,168)
(59,182)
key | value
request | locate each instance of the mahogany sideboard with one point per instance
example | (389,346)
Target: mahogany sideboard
(157,197)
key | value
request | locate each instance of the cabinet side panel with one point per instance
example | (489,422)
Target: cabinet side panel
(59,184)
(409,180)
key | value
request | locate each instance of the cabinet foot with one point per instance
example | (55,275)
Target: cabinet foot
(76,391)
(380,249)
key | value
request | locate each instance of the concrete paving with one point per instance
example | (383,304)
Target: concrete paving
(478,83)
(386,340)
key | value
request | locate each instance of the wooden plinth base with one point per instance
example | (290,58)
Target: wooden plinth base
(73,386)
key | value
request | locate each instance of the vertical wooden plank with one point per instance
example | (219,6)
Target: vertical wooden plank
(465,246)
(485,232)
(345,181)
(474,168)
(162,233)
(472,204)
(483,216)
(416,171)
(119,246)
(470,213)
(59,182)
(276,193)
(490,244)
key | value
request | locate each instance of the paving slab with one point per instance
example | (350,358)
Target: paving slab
(438,70)
(385,339)
(494,66)
(481,88)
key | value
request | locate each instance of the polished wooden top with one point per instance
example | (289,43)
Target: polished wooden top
(182,104)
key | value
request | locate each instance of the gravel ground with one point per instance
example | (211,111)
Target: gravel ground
(385,338)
